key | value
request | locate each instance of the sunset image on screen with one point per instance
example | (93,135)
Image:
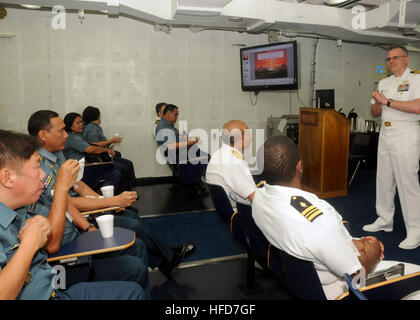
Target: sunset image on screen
(271,64)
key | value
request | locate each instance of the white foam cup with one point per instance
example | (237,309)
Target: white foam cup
(81,169)
(107,191)
(106,225)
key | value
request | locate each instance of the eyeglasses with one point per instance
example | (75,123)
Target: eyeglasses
(394,58)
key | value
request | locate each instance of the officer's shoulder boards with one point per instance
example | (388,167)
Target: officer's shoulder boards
(305,208)
(237,155)
(261,184)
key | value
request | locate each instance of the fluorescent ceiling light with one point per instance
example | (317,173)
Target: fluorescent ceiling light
(30,6)
(335,2)
(236,19)
(7,35)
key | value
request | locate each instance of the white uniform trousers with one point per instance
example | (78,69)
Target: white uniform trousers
(398,165)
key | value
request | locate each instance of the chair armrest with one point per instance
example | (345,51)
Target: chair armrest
(85,213)
(91,243)
(388,285)
(90,164)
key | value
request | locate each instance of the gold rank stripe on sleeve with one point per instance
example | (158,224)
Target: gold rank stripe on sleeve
(311,213)
(305,208)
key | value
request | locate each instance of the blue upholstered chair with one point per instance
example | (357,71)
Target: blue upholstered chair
(299,277)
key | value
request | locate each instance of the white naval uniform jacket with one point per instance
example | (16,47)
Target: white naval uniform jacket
(404,88)
(228,169)
(307,228)
(398,154)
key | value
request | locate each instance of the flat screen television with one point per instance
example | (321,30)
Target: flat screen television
(269,67)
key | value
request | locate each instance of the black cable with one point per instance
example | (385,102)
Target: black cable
(297,94)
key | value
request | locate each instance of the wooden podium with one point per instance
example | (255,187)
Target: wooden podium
(324,147)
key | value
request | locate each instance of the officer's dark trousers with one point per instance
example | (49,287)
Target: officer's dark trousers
(110,290)
(112,178)
(156,250)
(128,176)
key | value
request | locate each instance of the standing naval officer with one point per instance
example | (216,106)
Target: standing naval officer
(397,100)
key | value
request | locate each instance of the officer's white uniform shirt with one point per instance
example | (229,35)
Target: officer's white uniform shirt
(228,169)
(398,154)
(324,241)
(404,88)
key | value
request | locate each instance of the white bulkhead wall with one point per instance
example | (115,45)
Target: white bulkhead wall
(124,67)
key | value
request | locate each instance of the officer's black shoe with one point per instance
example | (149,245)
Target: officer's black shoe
(184,250)
(181,251)
(200,191)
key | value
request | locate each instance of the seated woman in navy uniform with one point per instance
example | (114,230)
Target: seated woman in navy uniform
(77,148)
(93,134)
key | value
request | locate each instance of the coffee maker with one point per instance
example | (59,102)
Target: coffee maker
(352,116)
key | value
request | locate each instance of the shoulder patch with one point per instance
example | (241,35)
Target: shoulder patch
(305,208)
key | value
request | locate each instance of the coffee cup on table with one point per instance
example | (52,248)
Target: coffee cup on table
(106,225)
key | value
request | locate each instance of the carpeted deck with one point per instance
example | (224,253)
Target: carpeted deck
(210,234)
(214,239)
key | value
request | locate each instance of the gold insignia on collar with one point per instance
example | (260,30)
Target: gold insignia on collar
(305,208)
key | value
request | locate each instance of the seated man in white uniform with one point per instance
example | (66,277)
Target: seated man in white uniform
(309,228)
(227,166)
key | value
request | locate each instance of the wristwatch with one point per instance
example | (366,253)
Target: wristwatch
(389,102)
(89,227)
